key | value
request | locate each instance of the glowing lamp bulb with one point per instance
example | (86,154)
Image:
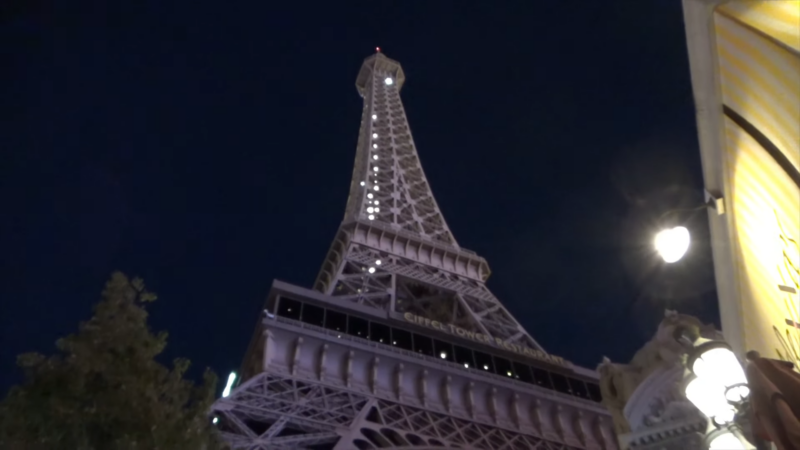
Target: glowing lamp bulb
(375,169)
(672,244)
(374,117)
(371,217)
(374,135)
(388,81)
(374,156)
(378,262)
(369,195)
(369,210)
(371,270)
(443,355)
(362,183)
(374,145)
(376,188)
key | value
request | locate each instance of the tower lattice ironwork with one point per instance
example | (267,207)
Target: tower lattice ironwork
(400,344)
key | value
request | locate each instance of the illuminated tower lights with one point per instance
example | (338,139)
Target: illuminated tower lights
(395,265)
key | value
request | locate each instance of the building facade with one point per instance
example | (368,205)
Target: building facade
(400,344)
(745,67)
(646,396)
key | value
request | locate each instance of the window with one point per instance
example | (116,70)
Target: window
(594,392)
(335,320)
(523,372)
(464,356)
(578,388)
(380,333)
(560,383)
(357,326)
(503,367)
(484,362)
(313,315)
(289,308)
(443,350)
(402,339)
(423,344)
(542,378)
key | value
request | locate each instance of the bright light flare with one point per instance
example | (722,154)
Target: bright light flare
(388,81)
(672,244)
(231,378)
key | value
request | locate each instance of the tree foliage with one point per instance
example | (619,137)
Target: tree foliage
(104,390)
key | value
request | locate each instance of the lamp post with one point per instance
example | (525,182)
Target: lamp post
(672,243)
(718,388)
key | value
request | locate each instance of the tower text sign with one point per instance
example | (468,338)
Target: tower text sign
(484,339)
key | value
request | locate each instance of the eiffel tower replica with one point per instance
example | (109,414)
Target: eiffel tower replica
(400,344)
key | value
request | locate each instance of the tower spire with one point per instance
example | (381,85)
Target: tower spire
(394,251)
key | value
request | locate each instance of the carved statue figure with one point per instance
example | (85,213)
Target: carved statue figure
(667,349)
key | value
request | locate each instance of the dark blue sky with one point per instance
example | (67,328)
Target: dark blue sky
(208,147)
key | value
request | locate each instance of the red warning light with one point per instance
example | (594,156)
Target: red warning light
(378,49)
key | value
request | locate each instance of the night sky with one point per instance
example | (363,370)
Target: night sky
(208,147)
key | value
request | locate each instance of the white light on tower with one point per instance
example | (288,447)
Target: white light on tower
(378,262)
(371,270)
(672,244)
(231,379)
(376,188)
(374,117)
(374,145)
(374,156)
(388,81)
(374,135)
(363,183)
(443,355)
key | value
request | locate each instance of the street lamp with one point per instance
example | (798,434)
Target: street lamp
(718,388)
(672,243)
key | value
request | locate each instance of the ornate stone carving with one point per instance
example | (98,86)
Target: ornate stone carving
(665,351)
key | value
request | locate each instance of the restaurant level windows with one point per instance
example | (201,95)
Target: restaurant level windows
(380,333)
(522,372)
(423,344)
(542,378)
(443,350)
(560,383)
(484,362)
(402,339)
(335,320)
(289,308)
(594,392)
(357,326)
(503,367)
(578,388)
(313,315)
(384,334)
(464,356)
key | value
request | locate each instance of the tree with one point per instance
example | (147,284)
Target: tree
(104,390)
